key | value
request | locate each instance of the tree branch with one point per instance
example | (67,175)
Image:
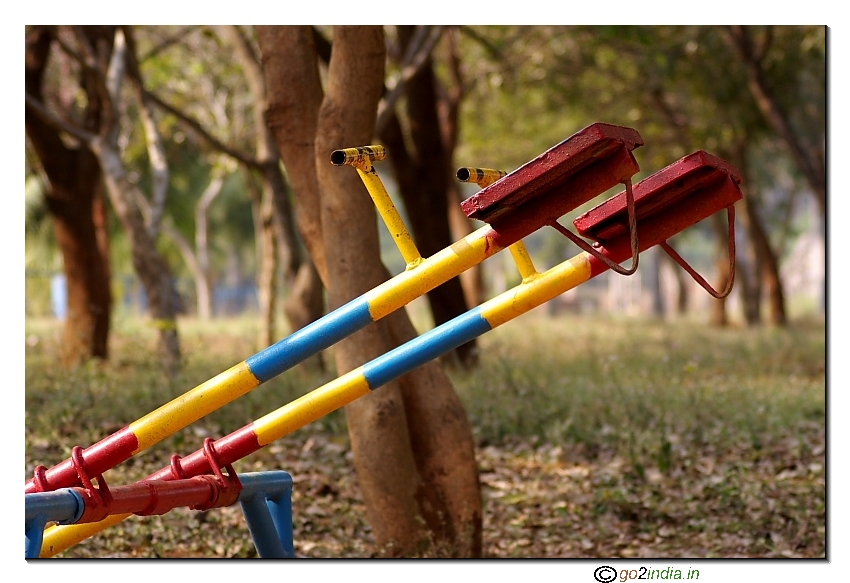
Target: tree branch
(115,71)
(155,146)
(173,39)
(194,126)
(57,122)
(488,46)
(415,57)
(738,37)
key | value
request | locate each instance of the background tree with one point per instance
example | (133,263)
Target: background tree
(680,85)
(73,188)
(421,158)
(236,129)
(106,68)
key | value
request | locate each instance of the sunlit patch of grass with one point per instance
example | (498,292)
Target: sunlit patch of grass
(639,385)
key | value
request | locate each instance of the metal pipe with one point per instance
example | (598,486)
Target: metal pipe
(361,158)
(480,176)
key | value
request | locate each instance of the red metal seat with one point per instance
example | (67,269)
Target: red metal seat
(685,191)
(666,203)
(553,170)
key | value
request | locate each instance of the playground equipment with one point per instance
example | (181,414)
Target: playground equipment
(512,206)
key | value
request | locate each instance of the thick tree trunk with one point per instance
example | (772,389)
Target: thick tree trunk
(289,54)
(377,423)
(76,206)
(412,444)
(85,259)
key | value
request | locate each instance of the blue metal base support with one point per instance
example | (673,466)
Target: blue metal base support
(62,506)
(266,500)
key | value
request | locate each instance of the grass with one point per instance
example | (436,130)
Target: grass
(614,382)
(641,428)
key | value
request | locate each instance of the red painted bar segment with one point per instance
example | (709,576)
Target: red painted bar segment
(100,457)
(550,170)
(230,449)
(157,498)
(661,190)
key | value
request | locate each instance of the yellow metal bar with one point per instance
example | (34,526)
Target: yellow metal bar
(441,266)
(59,538)
(361,158)
(192,405)
(523,260)
(537,291)
(312,406)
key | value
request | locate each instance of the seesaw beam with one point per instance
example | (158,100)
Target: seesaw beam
(589,163)
(693,203)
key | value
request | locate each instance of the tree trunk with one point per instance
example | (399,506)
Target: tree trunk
(411,440)
(153,270)
(654,282)
(682,283)
(423,177)
(76,206)
(264,237)
(306,303)
(719,316)
(289,54)
(86,264)
(769,266)
(377,423)
(203,285)
(747,271)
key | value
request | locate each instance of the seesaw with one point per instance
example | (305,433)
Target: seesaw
(513,206)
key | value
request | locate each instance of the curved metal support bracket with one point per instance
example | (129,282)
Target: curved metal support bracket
(730,212)
(633,236)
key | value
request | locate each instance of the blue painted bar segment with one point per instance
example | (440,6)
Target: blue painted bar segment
(311,339)
(426,347)
(63,506)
